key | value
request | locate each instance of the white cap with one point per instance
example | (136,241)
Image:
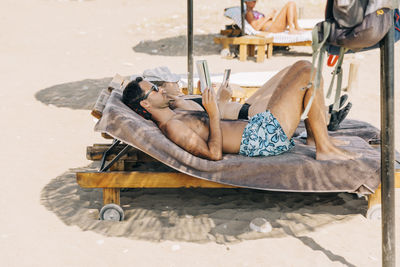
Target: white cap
(160,74)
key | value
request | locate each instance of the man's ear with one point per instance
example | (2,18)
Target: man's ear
(145,104)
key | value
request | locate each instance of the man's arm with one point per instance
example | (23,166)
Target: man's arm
(185,137)
(215,136)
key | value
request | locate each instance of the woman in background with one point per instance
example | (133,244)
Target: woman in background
(273,22)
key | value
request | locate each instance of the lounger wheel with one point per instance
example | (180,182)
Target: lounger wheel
(375,212)
(111,212)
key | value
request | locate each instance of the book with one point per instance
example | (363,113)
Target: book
(227,74)
(204,75)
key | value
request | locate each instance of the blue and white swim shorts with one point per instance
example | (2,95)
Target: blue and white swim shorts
(264,136)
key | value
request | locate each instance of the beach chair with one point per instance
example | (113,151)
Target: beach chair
(142,157)
(231,35)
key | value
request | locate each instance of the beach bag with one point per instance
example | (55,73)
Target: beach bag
(349,25)
(335,50)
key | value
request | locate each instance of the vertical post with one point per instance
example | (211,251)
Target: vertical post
(190,45)
(387,150)
(243,16)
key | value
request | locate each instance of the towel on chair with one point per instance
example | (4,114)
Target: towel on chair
(295,171)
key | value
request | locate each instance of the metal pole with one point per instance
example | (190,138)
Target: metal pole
(190,45)
(243,16)
(387,150)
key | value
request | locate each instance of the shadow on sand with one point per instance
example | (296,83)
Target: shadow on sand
(203,45)
(75,95)
(200,215)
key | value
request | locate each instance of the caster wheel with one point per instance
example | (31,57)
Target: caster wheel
(375,212)
(111,212)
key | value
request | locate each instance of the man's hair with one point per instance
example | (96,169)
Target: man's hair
(132,96)
(158,83)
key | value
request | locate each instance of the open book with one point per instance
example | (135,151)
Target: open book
(204,75)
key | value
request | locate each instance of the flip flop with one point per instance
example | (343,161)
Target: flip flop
(338,116)
(342,101)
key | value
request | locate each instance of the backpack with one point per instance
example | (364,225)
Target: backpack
(349,26)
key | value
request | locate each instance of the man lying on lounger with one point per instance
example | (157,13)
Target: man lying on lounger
(256,103)
(269,133)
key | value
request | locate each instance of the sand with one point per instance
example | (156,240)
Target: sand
(55,57)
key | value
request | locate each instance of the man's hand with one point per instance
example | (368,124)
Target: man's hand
(224,93)
(210,103)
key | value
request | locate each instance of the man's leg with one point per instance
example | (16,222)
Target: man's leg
(288,102)
(265,92)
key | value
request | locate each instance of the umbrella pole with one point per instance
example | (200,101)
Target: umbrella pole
(387,150)
(190,45)
(243,16)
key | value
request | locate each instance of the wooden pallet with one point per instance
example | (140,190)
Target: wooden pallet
(247,45)
(236,32)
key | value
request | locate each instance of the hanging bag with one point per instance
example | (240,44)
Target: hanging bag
(349,25)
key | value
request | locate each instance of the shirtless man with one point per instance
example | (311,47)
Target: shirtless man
(256,103)
(266,134)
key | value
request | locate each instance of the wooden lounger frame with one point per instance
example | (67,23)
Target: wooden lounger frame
(123,173)
(226,39)
(123,176)
(247,46)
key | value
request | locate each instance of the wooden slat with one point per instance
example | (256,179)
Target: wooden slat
(260,53)
(230,32)
(142,180)
(254,40)
(116,82)
(306,43)
(270,49)
(375,198)
(96,151)
(243,52)
(111,195)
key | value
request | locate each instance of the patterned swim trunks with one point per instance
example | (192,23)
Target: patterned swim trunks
(264,136)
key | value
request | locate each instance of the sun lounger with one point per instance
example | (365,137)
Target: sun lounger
(231,36)
(148,159)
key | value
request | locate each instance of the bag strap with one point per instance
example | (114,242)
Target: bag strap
(319,48)
(338,72)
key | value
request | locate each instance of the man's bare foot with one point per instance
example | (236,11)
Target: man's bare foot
(335,153)
(334,141)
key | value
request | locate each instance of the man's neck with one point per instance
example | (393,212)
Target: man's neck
(162,115)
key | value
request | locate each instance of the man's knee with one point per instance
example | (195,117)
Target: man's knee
(302,66)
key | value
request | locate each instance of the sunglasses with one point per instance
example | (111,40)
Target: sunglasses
(153,88)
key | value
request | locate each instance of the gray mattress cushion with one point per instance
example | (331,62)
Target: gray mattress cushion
(294,171)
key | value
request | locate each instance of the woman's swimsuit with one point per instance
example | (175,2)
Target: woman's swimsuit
(264,136)
(198,100)
(244,112)
(258,15)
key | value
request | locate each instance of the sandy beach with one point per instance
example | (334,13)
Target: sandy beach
(55,58)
